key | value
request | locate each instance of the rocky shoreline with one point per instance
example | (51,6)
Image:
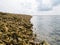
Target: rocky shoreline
(15,29)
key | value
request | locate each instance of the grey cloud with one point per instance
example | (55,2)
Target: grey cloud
(47,8)
(56,2)
(44,8)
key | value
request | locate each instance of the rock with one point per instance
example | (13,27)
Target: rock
(44,43)
(15,29)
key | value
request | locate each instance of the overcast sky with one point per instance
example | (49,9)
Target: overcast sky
(33,7)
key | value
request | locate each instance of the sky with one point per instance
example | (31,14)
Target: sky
(31,7)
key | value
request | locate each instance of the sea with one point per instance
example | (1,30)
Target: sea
(47,27)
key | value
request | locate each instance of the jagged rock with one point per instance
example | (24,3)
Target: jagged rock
(44,43)
(15,29)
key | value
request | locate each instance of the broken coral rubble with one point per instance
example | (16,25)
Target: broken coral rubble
(15,29)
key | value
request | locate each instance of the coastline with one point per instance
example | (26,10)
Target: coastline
(16,30)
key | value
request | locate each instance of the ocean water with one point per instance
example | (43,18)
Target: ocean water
(47,27)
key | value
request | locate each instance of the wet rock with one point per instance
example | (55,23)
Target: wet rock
(44,43)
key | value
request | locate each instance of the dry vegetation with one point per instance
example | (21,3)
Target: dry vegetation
(15,29)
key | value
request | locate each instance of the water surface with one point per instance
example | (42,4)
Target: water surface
(47,28)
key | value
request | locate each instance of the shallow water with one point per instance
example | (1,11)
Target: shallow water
(47,28)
